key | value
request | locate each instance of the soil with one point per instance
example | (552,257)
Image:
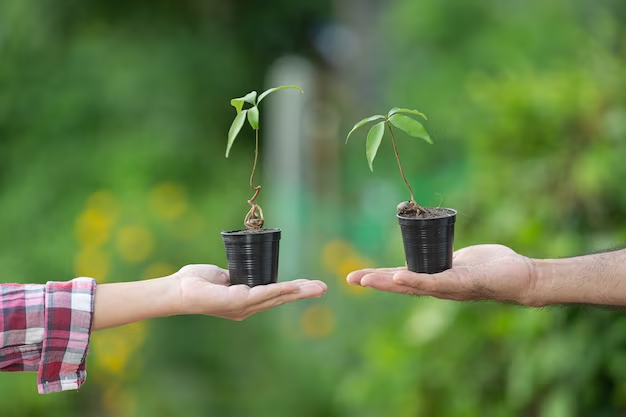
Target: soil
(408,210)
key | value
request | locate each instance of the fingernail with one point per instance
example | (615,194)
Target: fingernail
(308,284)
(311,286)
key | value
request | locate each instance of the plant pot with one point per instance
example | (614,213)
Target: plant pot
(428,242)
(252,256)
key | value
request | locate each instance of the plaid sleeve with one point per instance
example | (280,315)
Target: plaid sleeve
(46,328)
(21,326)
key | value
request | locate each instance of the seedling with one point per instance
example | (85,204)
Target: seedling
(254,218)
(375,136)
(427,233)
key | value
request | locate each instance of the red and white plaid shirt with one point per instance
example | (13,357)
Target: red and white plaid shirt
(46,328)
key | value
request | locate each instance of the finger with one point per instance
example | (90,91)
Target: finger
(262,293)
(308,290)
(355,277)
(296,281)
(445,284)
(222,278)
(385,282)
(303,285)
(317,282)
(299,281)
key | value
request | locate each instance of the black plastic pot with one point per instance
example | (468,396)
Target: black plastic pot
(252,256)
(428,243)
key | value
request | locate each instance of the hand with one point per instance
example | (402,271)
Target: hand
(482,272)
(205,289)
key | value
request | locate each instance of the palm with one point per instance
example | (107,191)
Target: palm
(492,272)
(206,289)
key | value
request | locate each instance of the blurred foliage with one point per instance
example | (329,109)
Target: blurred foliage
(527,108)
(113,119)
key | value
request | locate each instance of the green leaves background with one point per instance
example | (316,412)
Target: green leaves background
(526,103)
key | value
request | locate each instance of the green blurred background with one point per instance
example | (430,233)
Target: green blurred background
(113,121)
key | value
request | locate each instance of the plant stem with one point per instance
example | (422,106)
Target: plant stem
(256,156)
(254,219)
(395,150)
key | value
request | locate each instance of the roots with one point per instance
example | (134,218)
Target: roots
(410,209)
(254,219)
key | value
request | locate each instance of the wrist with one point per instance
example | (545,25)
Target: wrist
(117,304)
(577,280)
(542,283)
(172,291)
(550,282)
(533,296)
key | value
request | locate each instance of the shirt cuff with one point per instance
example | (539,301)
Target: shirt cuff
(67,327)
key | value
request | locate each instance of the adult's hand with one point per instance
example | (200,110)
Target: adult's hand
(482,272)
(495,272)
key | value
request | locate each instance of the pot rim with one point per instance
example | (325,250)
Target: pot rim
(454,213)
(244,232)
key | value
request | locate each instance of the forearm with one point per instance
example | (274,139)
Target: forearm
(590,279)
(122,303)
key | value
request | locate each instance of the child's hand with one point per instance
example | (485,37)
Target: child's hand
(205,289)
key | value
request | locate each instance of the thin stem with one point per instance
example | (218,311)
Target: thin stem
(395,150)
(254,218)
(256,156)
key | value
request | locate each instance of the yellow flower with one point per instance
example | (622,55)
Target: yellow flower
(135,243)
(334,252)
(114,347)
(93,225)
(340,258)
(92,228)
(104,202)
(348,265)
(92,262)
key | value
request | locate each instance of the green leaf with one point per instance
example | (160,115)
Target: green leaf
(374,137)
(271,90)
(234,129)
(237,103)
(364,121)
(253,117)
(410,126)
(408,111)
